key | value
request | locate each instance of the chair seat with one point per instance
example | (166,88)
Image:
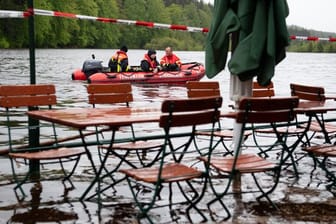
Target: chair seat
(282,130)
(315,126)
(138,145)
(171,172)
(246,163)
(51,154)
(222,133)
(327,150)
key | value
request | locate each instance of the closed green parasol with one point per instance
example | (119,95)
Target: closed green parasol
(261,38)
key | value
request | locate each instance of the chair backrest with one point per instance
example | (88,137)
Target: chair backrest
(262,91)
(110,93)
(32,97)
(267,110)
(27,95)
(202,89)
(190,112)
(314,93)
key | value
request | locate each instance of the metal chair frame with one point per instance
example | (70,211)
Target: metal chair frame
(169,171)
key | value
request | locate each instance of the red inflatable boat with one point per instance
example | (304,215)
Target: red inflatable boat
(93,72)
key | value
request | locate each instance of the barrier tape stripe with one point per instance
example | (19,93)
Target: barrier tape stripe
(121,21)
(41,12)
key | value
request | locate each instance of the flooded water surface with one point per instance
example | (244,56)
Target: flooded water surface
(303,200)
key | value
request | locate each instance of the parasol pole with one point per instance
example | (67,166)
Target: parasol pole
(34,133)
(238,89)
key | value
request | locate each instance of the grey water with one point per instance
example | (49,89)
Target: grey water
(54,66)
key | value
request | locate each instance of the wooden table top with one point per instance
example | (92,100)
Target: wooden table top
(84,117)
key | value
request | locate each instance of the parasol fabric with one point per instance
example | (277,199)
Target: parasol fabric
(262,38)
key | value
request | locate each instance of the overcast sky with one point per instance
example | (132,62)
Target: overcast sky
(311,14)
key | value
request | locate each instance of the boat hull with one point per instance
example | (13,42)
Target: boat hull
(189,72)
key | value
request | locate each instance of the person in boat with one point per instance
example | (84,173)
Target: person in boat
(119,61)
(170,62)
(150,63)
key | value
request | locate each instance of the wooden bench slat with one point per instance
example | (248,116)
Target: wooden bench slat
(170,173)
(20,101)
(50,154)
(109,88)
(19,90)
(110,98)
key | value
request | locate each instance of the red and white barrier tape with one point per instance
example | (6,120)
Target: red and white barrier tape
(313,38)
(41,12)
(13,14)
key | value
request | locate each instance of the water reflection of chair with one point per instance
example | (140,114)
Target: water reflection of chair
(177,114)
(252,111)
(197,89)
(16,99)
(38,214)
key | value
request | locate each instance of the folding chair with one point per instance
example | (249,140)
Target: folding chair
(177,114)
(197,89)
(294,131)
(320,155)
(314,93)
(17,99)
(121,94)
(271,111)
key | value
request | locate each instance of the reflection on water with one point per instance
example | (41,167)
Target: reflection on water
(35,214)
(56,66)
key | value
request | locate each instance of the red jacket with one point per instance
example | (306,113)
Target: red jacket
(172,59)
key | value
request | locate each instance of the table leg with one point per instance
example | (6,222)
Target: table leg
(97,172)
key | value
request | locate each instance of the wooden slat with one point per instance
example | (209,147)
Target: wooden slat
(265,104)
(203,93)
(18,90)
(51,154)
(170,173)
(265,110)
(109,88)
(179,120)
(110,93)
(193,104)
(110,98)
(246,163)
(202,85)
(256,85)
(202,89)
(326,150)
(263,91)
(20,101)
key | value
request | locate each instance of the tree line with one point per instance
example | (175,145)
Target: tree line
(311,46)
(55,32)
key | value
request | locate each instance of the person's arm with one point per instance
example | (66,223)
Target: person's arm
(124,65)
(178,61)
(144,65)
